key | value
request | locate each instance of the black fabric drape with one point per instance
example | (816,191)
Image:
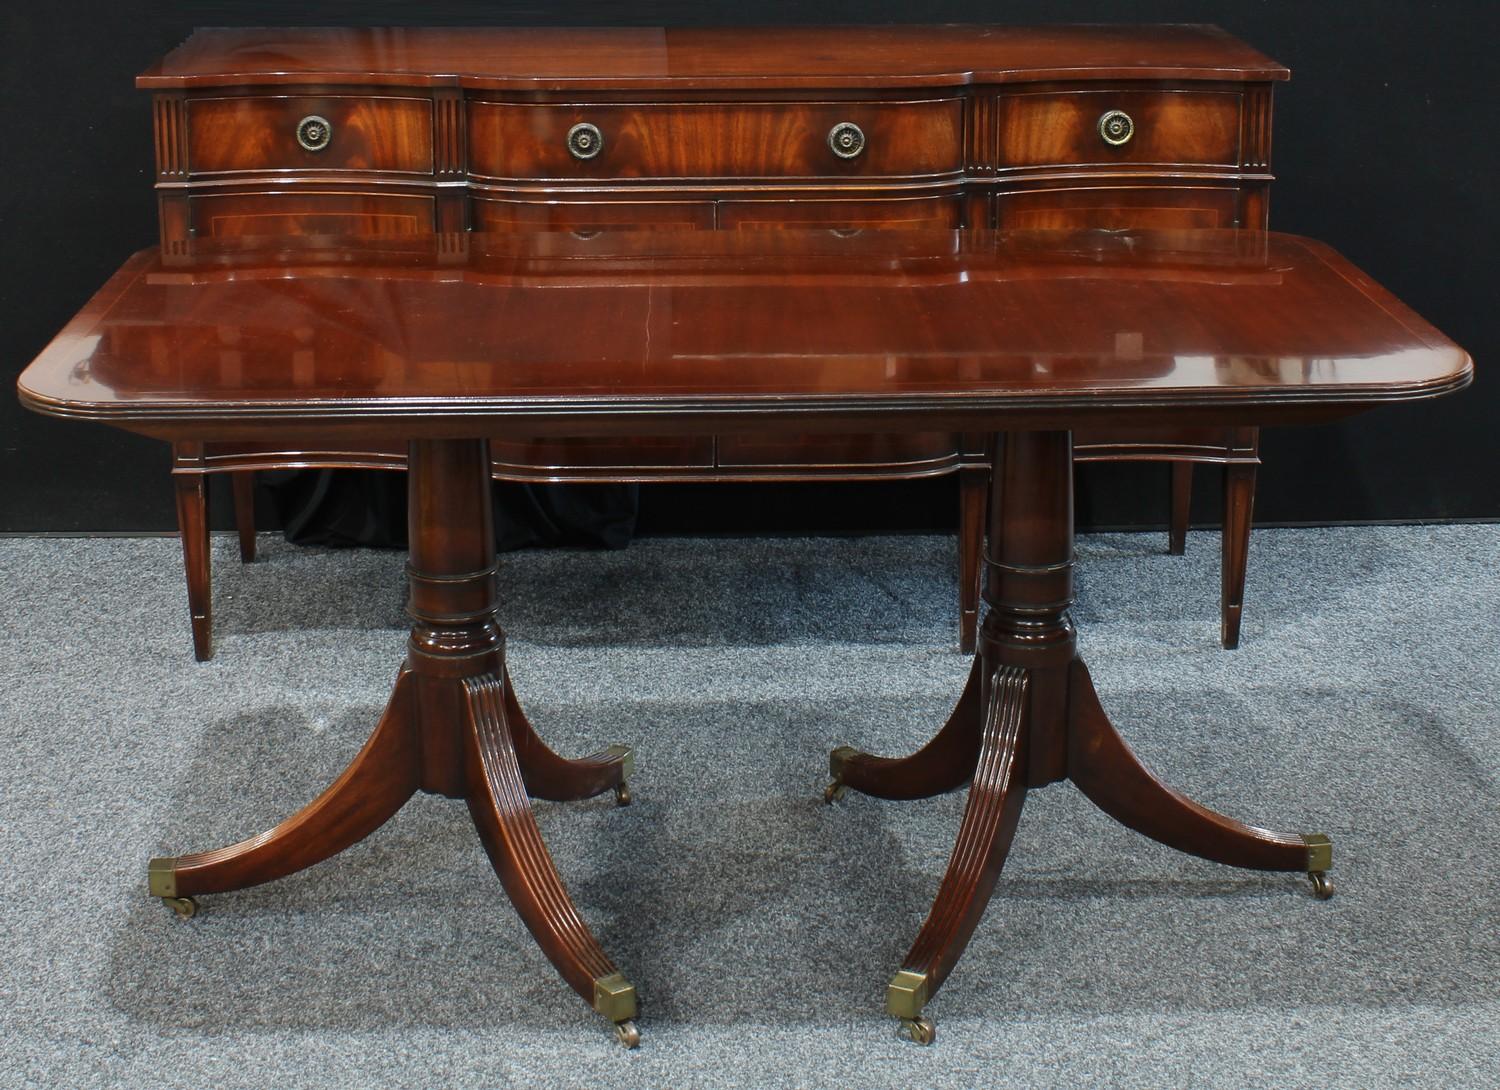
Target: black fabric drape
(362,507)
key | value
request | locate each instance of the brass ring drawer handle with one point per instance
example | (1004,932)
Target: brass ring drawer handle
(846,140)
(314,132)
(585,141)
(1116,128)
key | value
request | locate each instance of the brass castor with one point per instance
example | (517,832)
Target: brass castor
(834,791)
(920,1030)
(185,907)
(627,1034)
(1321,883)
(622,794)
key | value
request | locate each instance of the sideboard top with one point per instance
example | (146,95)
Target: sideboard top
(557,58)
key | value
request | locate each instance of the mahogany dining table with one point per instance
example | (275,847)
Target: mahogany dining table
(448,341)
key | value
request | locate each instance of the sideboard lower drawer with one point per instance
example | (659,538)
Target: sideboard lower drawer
(1115,208)
(342,132)
(859,454)
(715,140)
(498,215)
(236,215)
(570,459)
(936,212)
(1062,128)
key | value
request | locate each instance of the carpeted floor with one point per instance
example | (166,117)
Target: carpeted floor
(759,925)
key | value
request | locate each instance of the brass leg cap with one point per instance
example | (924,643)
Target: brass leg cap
(906,995)
(161,877)
(1319,851)
(614,997)
(627,1034)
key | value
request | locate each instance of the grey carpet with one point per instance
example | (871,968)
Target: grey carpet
(759,925)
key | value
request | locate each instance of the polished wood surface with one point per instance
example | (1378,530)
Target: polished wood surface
(730,129)
(1018,336)
(729,58)
(512,335)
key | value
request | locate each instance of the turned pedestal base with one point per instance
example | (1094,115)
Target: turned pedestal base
(1028,717)
(454,727)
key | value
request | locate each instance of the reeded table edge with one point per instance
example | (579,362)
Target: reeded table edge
(299,412)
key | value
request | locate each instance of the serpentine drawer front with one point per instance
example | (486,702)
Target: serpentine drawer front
(310,133)
(1120,127)
(716,140)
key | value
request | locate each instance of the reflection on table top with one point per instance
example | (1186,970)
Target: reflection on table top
(682,323)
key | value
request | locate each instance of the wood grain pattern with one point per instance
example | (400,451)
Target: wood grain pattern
(734,117)
(290,214)
(1117,208)
(934,331)
(259,133)
(1172,128)
(537,215)
(716,140)
(377,783)
(1101,763)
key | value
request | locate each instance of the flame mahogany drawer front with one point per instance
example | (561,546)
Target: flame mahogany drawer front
(717,139)
(1158,127)
(342,132)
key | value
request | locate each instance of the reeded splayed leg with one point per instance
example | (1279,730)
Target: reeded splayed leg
(502,813)
(984,838)
(1106,770)
(382,776)
(561,779)
(1025,646)
(453,728)
(477,743)
(944,764)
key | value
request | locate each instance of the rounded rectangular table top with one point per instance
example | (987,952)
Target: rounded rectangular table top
(627,331)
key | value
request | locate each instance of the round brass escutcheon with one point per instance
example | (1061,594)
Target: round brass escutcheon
(314,132)
(585,141)
(1116,128)
(846,140)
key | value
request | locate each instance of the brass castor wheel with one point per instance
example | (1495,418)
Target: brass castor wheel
(622,794)
(1321,883)
(627,1034)
(185,907)
(920,1030)
(834,791)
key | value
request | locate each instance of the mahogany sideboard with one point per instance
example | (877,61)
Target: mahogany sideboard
(1025,336)
(407,131)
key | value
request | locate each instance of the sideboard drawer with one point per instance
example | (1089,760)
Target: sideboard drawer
(857,454)
(235,215)
(934,212)
(1062,128)
(500,215)
(1116,208)
(716,140)
(337,132)
(613,459)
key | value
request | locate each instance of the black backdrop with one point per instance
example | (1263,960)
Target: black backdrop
(1386,146)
